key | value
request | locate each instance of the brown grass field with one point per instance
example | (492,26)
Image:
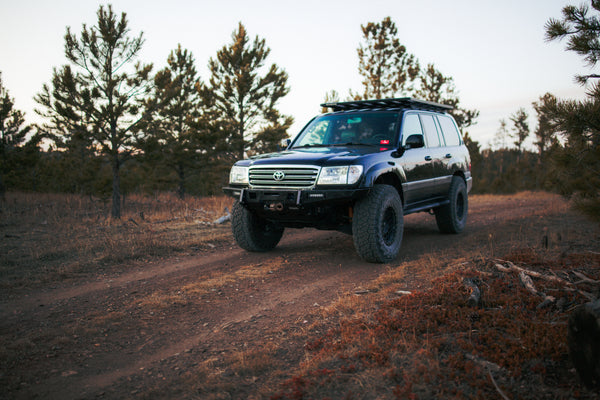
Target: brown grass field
(61,237)
(162,304)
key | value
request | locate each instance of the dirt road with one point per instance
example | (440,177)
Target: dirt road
(168,326)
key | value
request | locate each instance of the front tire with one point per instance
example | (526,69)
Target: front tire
(452,217)
(378,225)
(253,233)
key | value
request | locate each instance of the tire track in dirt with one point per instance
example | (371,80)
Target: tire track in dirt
(214,261)
(309,274)
(271,304)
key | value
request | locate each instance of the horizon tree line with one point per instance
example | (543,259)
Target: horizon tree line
(105,110)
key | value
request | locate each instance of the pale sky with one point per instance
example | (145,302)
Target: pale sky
(494,50)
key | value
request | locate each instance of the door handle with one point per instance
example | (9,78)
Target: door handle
(448,155)
(427,158)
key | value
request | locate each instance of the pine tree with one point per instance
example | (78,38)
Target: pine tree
(499,141)
(269,138)
(178,134)
(246,94)
(581,31)
(434,86)
(96,98)
(388,70)
(578,162)
(13,134)
(520,130)
(544,132)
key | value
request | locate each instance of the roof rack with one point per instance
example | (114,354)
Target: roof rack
(403,102)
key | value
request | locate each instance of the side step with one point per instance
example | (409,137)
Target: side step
(418,207)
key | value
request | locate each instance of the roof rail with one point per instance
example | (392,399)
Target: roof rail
(403,102)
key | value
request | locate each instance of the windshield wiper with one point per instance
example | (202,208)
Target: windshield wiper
(309,145)
(351,144)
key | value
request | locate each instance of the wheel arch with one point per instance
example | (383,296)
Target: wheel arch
(460,174)
(392,179)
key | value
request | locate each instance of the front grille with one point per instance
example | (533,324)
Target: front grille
(291,176)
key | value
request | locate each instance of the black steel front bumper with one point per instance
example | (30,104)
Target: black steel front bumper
(294,198)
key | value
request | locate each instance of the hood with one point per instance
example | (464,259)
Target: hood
(316,156)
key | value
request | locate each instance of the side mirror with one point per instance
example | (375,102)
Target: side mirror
(414,142)
(284,144)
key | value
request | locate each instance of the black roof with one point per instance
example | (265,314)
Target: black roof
(403,102)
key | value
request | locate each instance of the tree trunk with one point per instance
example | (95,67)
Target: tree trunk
(181,174)
(116,188)
(2,189)
(584,342)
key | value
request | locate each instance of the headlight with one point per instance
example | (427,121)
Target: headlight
(346,175)
(238,175)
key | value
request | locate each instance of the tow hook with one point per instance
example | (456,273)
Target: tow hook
(276,207)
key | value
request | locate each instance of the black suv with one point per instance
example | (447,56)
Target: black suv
(359,170)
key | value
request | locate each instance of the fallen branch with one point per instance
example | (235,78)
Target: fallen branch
(133,220)
(535,274)
(500,392)
(585,279)
(547,299)
(528,283)
(489,366)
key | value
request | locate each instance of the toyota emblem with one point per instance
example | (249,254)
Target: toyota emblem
(278,175)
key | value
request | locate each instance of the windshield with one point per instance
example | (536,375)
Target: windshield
(364,128)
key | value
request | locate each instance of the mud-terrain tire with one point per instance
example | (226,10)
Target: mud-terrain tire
(253,233)
(378,225)
(452,217)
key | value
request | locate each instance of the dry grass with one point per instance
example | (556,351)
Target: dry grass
(384,344)
(432,344)
(376,344)
(56,237)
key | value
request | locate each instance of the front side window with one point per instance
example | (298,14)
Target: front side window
(364,128)
(411,126)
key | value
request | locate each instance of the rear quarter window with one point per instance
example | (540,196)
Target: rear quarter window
(449,130)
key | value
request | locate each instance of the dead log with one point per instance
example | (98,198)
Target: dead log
(224,218)
(584,342)
(528,283)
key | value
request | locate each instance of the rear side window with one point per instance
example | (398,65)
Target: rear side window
(450,131)
(431,133)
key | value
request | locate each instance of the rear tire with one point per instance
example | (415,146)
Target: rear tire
(452,217)
(253,233)
(378,225)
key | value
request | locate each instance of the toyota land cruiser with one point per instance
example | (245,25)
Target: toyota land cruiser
(358,169)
